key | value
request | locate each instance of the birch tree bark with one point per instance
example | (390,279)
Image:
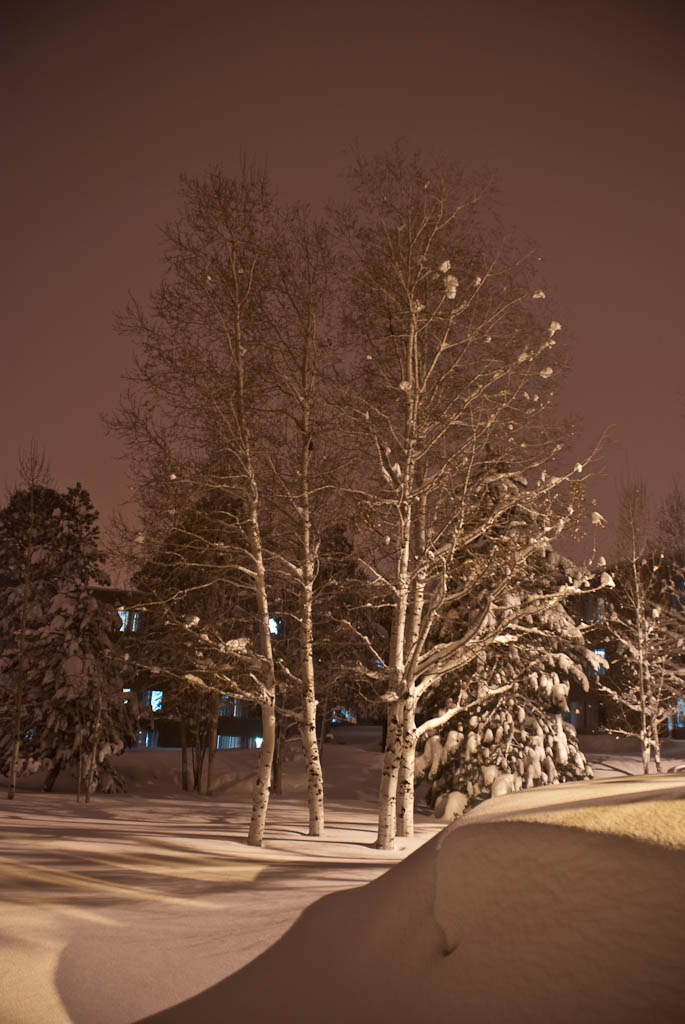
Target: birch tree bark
(405,803)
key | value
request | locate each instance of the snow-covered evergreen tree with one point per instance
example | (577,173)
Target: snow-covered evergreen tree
(63,704)
(507,728)
(30,526)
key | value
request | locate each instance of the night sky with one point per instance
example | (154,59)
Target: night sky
(577,107)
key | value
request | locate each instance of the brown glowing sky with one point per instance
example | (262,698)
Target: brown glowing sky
(578,107)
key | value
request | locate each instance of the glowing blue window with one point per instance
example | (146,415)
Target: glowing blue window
(274,627)
(156,697)
(343,715)
(228,742)
(130,621)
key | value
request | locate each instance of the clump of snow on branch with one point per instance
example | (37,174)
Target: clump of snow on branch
(451,285)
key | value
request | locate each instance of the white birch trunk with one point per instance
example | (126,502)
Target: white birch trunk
(405,798)
(657,746)
(310,749)
(310,746)
(645,748)
(387,806)
(387,811)
(262,789)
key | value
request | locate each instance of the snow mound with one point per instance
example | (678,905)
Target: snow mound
(537,906)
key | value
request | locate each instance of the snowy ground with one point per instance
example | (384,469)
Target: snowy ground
(134,902)
(551,903)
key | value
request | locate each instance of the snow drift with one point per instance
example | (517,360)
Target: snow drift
(555,905)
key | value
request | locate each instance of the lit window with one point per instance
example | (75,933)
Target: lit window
(258,740)
(156,697)
(228,742)
(342,715)
(130,621)
(274,627)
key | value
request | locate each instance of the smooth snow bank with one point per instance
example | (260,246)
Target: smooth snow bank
(561,904)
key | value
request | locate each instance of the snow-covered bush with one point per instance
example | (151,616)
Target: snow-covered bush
(512,745)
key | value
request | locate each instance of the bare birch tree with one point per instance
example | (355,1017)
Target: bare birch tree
(455,373)
(190,416)
(646,629)
(301,456)
(227,415)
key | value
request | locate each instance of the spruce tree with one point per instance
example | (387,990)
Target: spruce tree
(508,727)
(62,702)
